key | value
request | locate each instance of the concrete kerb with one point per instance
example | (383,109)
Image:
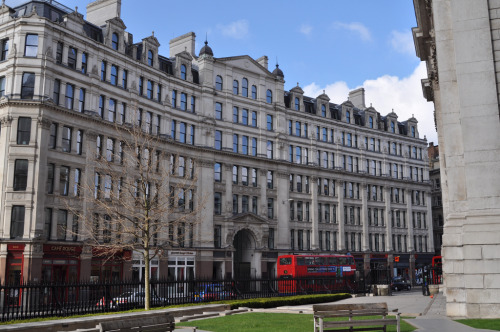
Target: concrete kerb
(72,324)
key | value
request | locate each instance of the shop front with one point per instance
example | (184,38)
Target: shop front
(138,267)
(61,264)
(14,273)
(181,268)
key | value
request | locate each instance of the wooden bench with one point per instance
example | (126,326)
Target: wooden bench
(348,312)
(154,323)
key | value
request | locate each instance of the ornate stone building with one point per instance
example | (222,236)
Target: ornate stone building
(283,172)
(459,40)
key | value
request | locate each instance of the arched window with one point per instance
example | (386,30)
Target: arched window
(323,111)
(297,104)
(347,116)
(235,87)
(370,122)
(393,127)
(412,131)
(114,41)
(244,87)
(183,72)
(218,83)
(254,92)
(269,96)
(150,58)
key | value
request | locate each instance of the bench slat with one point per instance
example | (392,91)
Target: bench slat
(366,322)
(325,314)
(352,306)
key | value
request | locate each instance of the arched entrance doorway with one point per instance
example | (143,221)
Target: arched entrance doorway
(244,255)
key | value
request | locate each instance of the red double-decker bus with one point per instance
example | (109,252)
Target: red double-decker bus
(305,273)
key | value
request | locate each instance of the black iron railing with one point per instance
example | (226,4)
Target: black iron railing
(35,300)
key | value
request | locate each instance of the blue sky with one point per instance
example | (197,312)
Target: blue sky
(332,45)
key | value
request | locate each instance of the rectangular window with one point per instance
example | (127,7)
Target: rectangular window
(269,149)
(254,119)
(47,223)
(79,142)
(84,63)
(23,131)
(269,124)
(235,204)
(254,146)
(17,222)
(5,51)
(110,149)
(270,180)
(244,144)
(70,96)
(72,57)
(235,143)
(104,66)
(81,101)
(100,111)
(254,204)
(31,45)
(149,92)
(270,208)
(217,236)
(218,111)
(244,117)
(66,139)
(124,78)
(64,181)
(57,91)
(50,178)
(122,111)
(59,52)
(62,218)
(270,239)
(236,114)
(111,110)
(28,86)
(20,174)
(217,203)
(77,186)
(193,104)
(244,176)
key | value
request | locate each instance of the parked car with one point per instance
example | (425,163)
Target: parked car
(398,284)
(132,299)
(212,292)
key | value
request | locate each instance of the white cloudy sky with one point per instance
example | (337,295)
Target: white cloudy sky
(327,45)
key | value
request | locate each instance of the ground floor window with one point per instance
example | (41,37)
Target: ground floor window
(60,270)
(138,268)
(106,270)
(181,268)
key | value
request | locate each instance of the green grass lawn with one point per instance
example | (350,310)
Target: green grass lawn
(266,322)
(488,324)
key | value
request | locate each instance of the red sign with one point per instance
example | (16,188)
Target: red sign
(64,250)
(15,247)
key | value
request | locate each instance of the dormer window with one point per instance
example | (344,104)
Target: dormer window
(347,116)
(235,87)
(269,96)
(323,111)
(150,58)
(114,41)
(370,121)
(183,72)
(412,131)
(244,87)
(218,83)
(393,127)
(297,104)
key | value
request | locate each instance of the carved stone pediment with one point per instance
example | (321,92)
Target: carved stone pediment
(248,218)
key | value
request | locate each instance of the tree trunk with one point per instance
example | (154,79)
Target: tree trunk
(147,284)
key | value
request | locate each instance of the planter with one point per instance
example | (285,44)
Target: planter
(433,289)
(383,290)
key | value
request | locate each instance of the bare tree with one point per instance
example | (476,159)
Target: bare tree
(138,196)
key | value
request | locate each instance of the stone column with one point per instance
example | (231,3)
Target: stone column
(388,221)
(283,210)
(364,217)
(409,212)
(263,193)
(314,214)
(205,213)
(227,207)
(340,215)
